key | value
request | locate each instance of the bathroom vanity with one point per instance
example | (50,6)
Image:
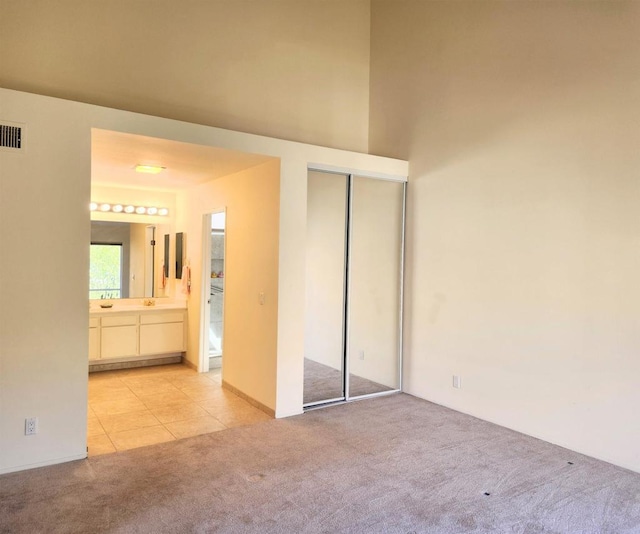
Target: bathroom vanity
(135,333)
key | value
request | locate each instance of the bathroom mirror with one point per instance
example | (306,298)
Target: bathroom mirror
(122,260)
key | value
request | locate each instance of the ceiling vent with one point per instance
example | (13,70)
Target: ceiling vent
(12,136)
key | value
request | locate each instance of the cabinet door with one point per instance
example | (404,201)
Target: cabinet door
(94,343)
(119,341)
(161,338)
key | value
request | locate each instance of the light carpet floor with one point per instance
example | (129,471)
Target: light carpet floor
(394,464)
(322,383)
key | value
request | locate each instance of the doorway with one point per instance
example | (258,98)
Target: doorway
(353,310)
(213,271)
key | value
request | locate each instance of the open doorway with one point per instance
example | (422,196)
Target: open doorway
(213,270)
(144,397)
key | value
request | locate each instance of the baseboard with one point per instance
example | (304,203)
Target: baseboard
(250,400)
(132,364)
(189,364)
(25,467)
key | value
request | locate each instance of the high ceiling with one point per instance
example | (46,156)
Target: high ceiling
(114,156)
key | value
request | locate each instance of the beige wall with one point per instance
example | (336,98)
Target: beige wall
(282,68)
(521,121)
(251,199)
(44,279)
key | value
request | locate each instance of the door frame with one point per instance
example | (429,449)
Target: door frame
(205,296)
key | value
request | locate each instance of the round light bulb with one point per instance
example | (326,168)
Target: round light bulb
(163,211)
(93,206)
(129,209)
(118,208)
(105,207)
(141,210)
(152,211)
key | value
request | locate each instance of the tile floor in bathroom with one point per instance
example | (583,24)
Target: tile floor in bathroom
(132,408)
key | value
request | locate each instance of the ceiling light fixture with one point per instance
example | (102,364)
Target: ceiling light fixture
(149,169)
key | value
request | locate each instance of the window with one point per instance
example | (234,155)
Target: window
(105,272)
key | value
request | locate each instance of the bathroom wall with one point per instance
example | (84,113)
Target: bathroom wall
(252,202)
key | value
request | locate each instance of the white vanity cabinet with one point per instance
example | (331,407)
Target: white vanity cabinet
(136,334)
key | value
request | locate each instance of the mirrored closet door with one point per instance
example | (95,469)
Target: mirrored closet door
(354,250)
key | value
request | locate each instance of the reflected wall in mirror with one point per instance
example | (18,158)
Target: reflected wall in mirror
(179,253)
(165,264)
(122,260)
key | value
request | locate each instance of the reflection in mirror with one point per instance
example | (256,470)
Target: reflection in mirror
(179,252)
(122,260)
(165,264)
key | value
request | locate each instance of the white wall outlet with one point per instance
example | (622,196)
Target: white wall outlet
(261,298)
(30,426)
(457,382)
(361,355)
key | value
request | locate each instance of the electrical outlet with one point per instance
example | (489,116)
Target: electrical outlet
(261,298)
(30,426)
(457,382)
(361,355)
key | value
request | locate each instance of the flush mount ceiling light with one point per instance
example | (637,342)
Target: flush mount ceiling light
(149,169)
(129,208)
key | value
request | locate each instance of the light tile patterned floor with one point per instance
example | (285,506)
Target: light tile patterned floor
(136,407)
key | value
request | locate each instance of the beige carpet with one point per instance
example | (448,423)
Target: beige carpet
(394,464)
(322,383)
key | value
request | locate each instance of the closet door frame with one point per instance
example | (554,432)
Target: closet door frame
(347,284)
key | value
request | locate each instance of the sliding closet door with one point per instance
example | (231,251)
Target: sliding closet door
(325,287)
(375,279)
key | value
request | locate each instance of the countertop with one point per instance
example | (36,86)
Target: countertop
(129,308)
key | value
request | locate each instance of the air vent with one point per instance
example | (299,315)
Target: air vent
(12,136)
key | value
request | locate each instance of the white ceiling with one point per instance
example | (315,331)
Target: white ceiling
(114,156)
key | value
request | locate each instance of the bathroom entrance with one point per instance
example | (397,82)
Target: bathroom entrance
(214,274)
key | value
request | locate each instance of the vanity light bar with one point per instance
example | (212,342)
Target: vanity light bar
(128,208)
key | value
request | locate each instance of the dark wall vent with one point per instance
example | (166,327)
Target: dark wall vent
(12,136)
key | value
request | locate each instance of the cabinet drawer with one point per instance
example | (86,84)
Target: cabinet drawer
(94,322)
(165,317)
(120,320)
